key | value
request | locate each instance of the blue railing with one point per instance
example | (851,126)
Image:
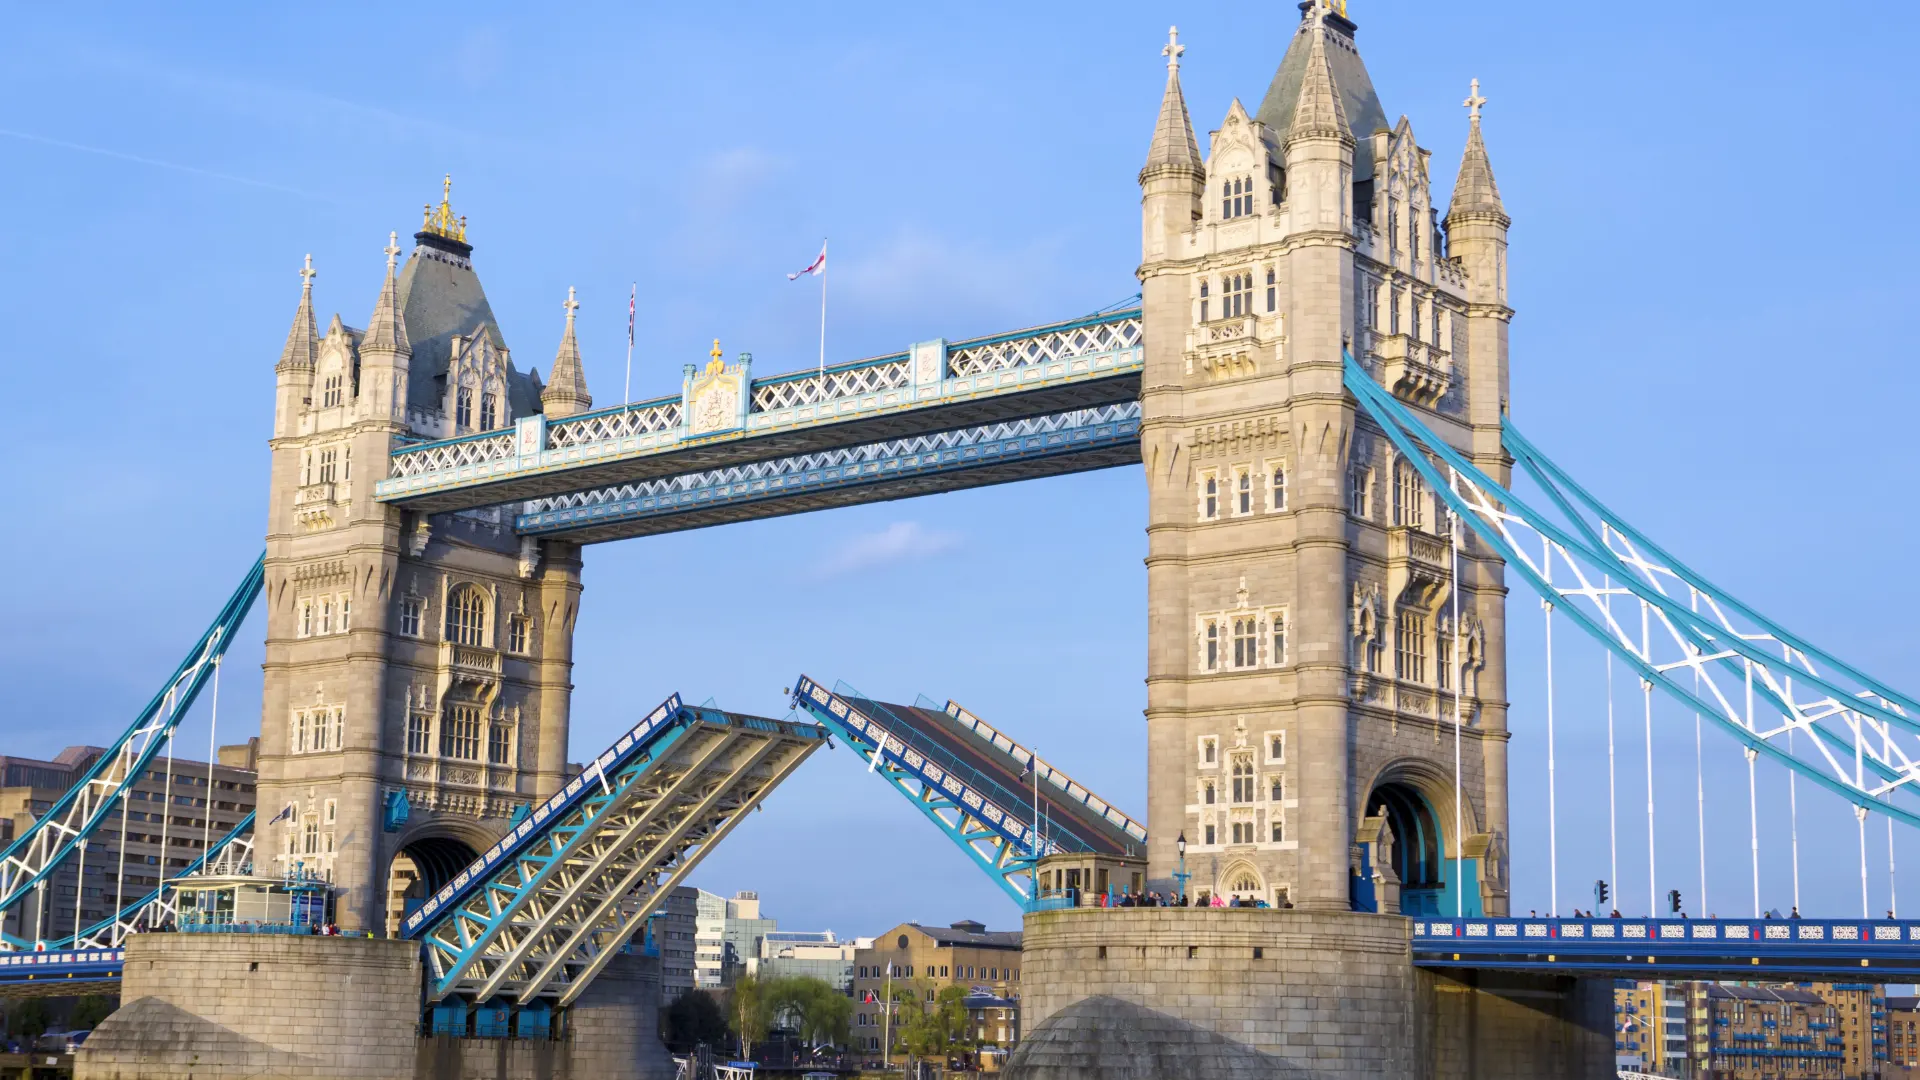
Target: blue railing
(1751,946)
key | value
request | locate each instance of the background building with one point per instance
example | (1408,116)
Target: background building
(1903,1032)
(1860,1014)
(1650,1026)
(727,936)
(815,954)
(928,959)
(673,930)
(167,827)
(1765,1031)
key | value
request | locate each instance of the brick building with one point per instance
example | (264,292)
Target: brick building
(927,959)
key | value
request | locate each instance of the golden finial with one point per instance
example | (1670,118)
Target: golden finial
(442,222)
(716,365)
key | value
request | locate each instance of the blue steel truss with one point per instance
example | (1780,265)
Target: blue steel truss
(544,910)
(1100,437)
(934,386)
(61,973)
(1876,950)
(1774,692)
(38,852)
(158,908)
(983,817)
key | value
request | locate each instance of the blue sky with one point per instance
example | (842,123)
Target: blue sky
(1705,200)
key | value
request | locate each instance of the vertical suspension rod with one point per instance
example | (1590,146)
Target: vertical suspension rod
(1458,675)
(1613,813)
(1553,821)
(1699,779)
(1646,692)
(1860,815)
(1753,798)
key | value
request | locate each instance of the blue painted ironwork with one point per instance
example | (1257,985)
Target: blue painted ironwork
(1100,437)
(61,968)
(546,908)
(986,818)
(931,387)
(1757,682)
(38,851)
(1882,950)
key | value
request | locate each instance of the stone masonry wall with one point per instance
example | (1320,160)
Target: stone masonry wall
(235,1006)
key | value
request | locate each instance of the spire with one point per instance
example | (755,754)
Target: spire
(1474,191)
(1174,146)
(1318,113)
(303,343)
(385,330)
(566,392)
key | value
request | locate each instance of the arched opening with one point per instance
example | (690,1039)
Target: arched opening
(419,870)
(1242,882)
(1419,847)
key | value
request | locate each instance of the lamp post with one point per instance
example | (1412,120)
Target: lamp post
(1181,875)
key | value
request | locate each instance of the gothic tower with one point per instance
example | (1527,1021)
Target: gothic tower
(1303,664)
(417,668)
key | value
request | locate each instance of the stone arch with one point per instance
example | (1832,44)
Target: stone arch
(426,857)
(1416,798)
(1243,881)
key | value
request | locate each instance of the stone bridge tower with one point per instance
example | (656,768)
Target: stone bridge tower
(417,668)
(1303,661)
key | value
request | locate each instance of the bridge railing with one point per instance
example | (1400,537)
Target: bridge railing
(1874,948)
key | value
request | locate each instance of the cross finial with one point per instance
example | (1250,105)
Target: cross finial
(307,274)
(1474,101)
(1173,49)
(392,249)
(571,305)
(716,350)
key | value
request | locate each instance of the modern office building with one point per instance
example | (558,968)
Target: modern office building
(815,954)
(170,816)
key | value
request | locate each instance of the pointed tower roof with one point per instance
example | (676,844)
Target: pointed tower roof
(303,341)
(386,330)
(1318,112)
(1474,191)
(1174,146)
(567,393)
(1349,75)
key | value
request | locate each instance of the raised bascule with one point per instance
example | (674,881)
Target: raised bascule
(1315,384)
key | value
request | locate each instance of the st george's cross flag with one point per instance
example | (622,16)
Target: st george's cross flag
(815,268)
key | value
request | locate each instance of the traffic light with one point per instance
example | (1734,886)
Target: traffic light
(1673,900)
(1600,893)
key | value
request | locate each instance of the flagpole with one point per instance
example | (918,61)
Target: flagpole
(626,392)
(823,310)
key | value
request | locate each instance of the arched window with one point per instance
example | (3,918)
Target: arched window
(463,407)
(488,411)
(1213,646)
(1203,299)
(1275,789)
(1272,292)
(1244,882)
(1210,499)
(1246,642)
(1206,793)
(332,391)
(1236,197)
(1243,485)
(1278,655)
(1409,496)
(1277,489)
(467,617)
(1242,780)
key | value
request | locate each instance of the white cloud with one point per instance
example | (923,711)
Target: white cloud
(898,542)
(915,264)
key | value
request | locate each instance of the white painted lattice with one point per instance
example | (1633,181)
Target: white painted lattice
(1039,348)
(603,427)
(891,375)
(435,457)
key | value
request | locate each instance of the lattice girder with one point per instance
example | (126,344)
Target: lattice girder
(89,804)
(548,914)
(1779,696)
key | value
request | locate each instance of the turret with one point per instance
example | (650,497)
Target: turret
(1173,181)
(566,393)
(293,375)
(1477,221)
(381,391)
(1319,147)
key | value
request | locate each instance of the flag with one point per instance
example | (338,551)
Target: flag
(284,814)
(815,268)
(631,295)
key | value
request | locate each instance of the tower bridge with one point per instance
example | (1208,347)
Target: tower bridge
(1314,383)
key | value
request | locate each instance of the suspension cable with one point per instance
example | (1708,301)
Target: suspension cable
(1699,780)
(1553,820)
(213,753)
(1646,692)
(1793,817)
(79,888)
(1613,813)
(1860,815)
(1893,888)
(166,815)
(120,872)
(1753,798)
(1456,661)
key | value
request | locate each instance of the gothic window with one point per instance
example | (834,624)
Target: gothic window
(1393,311)
(1410,647)
(499,744)
(488,408)
(1278,627)
(1206,793)
(1375,652)
(1246,642)
(1276,789)
(331,391)
(325,625)
(1276,488)
(1236,197)
(460,733)
(306,468)
(1207,748)
(297,733)
(1242,491)
(1413,237)
(1212,635)
(305,619)
(346,614)
(1279,828)
(1242,780)
(328,464)
(1238,296)
(1273,292)
(516,633)
(1409,496)
(411,608)
(1276,746)
(1209,839)
(1243,832)
(346,464)
(419,733)
(1209,496)
(1357,500)
(1203,299)
(1443,660)
(463,407)
(467,617)
(310,836)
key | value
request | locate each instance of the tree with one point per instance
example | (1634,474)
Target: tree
(28,1019)
(749,1011)
(932,1025)
(695,1018)
(821,1013)
(90,1010)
